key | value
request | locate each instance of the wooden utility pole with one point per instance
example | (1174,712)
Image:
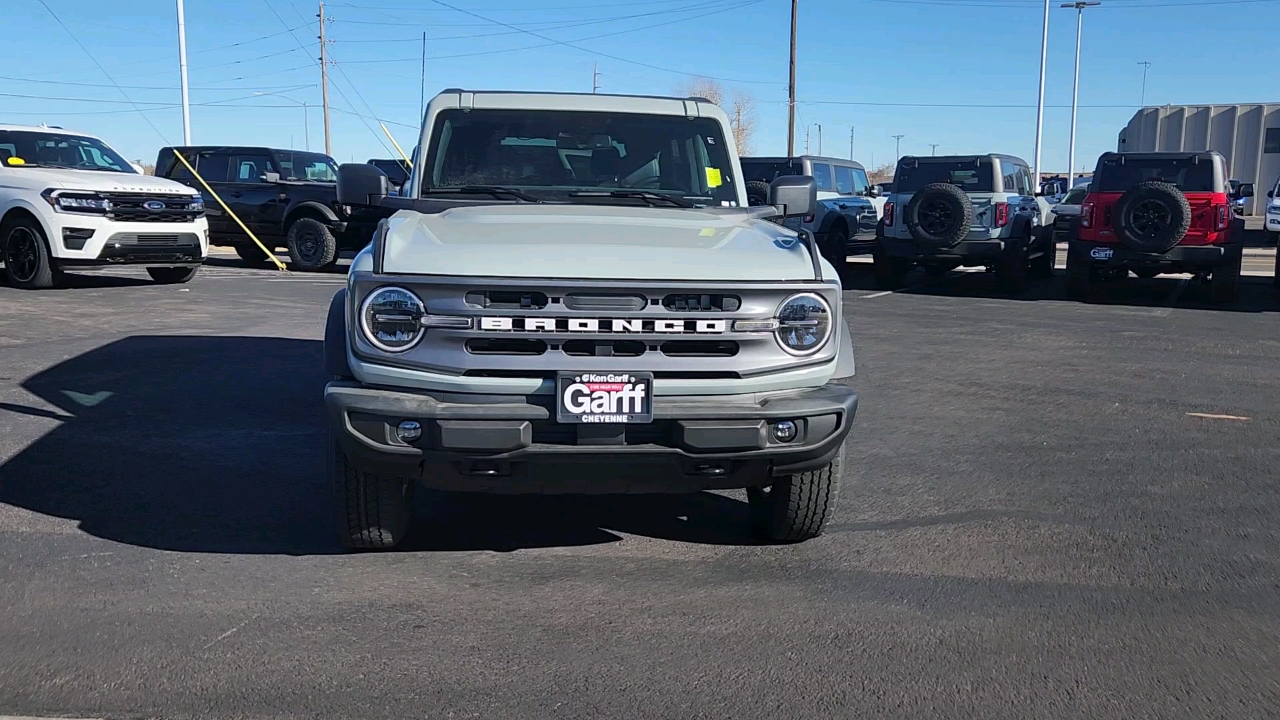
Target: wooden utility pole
(324,84)
(791,90)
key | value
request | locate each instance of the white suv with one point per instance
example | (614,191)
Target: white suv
(67,200)
(1273,216)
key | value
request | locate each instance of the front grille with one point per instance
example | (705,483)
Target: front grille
(129,207)
(506,299)
(658,375)
(154,239)
(701,303)
(505,346)
(604,348)
(699,348)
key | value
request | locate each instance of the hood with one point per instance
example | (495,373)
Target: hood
(41,178)
(594,242)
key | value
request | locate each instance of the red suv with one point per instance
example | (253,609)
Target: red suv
(1152,213)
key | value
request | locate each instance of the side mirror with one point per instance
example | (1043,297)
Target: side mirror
(1245,191)
(270,177)
(873,191)
(361,184)
(794,195)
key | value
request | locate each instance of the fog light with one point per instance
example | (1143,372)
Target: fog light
(784,431)
(409,430)
(75,238)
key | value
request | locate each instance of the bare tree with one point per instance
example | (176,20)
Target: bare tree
(884,173)
(738,105)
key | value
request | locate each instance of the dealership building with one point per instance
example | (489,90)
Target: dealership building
(1247,135)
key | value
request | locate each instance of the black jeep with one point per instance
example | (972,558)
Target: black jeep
(286,197)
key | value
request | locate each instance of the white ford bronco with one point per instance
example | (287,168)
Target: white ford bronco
(573,296)
(70,202)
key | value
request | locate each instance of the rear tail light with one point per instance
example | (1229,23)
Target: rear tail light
(888,214)
(1002,214)
(1086,215)
(1222,219)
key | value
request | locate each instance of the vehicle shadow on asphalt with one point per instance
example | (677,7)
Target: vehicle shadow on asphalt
(1257,294)
(218,444)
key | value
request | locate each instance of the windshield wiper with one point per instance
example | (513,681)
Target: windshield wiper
(646,195)
(494,190)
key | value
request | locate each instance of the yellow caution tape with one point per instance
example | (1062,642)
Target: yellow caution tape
(235,217)
(407,161)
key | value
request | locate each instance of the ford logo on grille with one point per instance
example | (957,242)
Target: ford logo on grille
(153,205)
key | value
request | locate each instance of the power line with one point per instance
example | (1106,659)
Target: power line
(547,25)
(144,87)
(103,70)
(524,8)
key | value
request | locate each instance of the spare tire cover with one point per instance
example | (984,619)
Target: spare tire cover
(939,214)
(1151,217)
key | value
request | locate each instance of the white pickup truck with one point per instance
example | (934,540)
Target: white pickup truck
(68,201)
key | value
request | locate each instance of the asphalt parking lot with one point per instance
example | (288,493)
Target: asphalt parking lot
(1050,509)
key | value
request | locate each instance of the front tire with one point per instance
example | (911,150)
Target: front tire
(795,507)
(836,249)
(372,509)
(1011,273)
(1042,267)
(1079,279)
(251,254)
(312,246)
(1224,284)
(172,275)
(27,261)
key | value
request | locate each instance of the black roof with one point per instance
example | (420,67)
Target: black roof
(1162,155)
(236,148)
(961,158)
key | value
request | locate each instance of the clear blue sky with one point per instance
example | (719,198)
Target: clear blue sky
(860,62)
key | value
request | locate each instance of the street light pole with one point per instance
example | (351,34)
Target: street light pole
(819,138)
(897,147)
(1044,53)
(182,67)
(933,148)
(1145,67)
(791,88)
(851,127)
(1079,5)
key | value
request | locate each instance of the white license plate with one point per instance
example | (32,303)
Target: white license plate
(599,397)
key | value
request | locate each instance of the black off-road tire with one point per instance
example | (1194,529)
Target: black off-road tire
(1146,273)
(1079,279)
(1042,266)
(890,273)
(311,244)
(1152,217)
(939,214)
(836,248)
(1011,272)
(795,507)
(1275,278)
(937,272)
(251,254)
(372,509)
(757,193)
(172,275)
(1224,284)
(28,263)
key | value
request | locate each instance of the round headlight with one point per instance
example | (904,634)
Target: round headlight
(804,324)
(389,318)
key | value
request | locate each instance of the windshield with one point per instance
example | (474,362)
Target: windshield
(550,154)
(20,148)
(971,175)
(1118,174)
(1076,196)
(767,171)
(314,167)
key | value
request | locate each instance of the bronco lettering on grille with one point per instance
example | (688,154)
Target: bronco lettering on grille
(602,325)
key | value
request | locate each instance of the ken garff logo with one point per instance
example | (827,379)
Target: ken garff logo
(153,205)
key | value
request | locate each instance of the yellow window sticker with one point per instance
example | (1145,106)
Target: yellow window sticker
(708,232)
(16,161)
(713,177)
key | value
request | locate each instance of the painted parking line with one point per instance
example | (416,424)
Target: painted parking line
(1216,416)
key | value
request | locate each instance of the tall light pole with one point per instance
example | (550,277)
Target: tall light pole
(791,87)
(851,127)
(933,148)
(819,138)
(182,68)
(1044,53)
(897,147)
(306,124)
(1145,67)
(1079,5)
(324,82)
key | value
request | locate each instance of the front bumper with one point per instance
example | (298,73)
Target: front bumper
(512,444)
(88,241)
(1273,222)
(1180,258)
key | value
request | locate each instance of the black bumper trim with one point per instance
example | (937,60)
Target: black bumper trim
(1178,256)
(964,250)
(694,442)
